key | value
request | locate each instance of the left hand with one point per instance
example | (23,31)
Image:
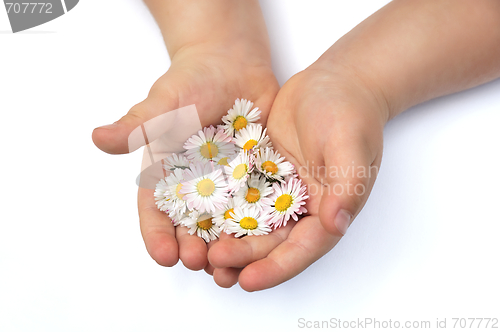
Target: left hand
(330,127)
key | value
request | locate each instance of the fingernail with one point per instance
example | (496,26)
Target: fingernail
(342,221)
(110,126)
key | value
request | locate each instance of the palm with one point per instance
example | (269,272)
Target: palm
(212,83)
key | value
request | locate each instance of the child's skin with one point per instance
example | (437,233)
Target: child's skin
(219,51)
(332,114)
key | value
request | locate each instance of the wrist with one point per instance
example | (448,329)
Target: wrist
(412,51)
(355,84)
(215,25)
(251,53)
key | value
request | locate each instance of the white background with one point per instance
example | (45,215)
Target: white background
(425,246)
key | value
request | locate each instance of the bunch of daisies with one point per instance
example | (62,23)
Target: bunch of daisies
(230,179)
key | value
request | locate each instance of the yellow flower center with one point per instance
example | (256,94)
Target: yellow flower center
(249,144)
(269,166)
(248,223)
(253,195)
(240,171)
(205,187)
(177,191)
(223,161)
(205,224)
(240,122)
(209,150)
(227,214)
(283,202)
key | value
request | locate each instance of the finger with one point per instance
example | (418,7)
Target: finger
(224,236)
(307,242)
(192,249)
(239,253)
(351,173)
(226,277)
(157,230)
(114,138)
(209,269)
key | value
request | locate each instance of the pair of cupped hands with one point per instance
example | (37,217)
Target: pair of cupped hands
(325,120)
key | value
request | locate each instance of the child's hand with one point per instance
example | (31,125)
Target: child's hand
(211,77)
(220,51)
(330,127)
(333,113)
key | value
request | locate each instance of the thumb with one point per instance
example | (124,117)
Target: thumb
(348,184)
(114,138)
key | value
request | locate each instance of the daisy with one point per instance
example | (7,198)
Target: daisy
(221,216)
(176,203)
(161,195)
(239,116)
(252,138)
(209,145)
(294,175)
(223,161)
(175,161)
(238,170)
(180,219)
(202,224)
(253,191)
(286,201)
(204,188)
(247,221)
(272,165)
